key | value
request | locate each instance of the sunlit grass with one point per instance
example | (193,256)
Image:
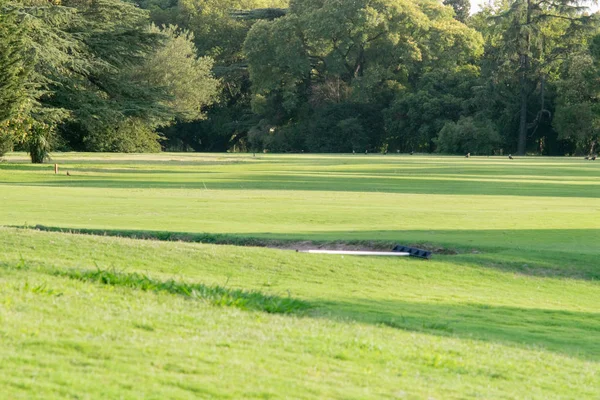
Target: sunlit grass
(514,313)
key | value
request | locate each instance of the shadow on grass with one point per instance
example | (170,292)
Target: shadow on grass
(215,295)
(559,253)
(383,183)
(575,334)
(134,171)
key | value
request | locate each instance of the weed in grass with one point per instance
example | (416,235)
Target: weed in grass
(42,289)
(215,295)
(438,326)
(143,326)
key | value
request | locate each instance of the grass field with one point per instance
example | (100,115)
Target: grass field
(509,309)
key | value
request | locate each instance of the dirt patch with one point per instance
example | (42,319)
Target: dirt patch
(436,249)
(341,246)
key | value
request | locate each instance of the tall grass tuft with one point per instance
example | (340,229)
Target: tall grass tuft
(215,295)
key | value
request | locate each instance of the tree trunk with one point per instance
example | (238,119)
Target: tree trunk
(523,122)
(524,59)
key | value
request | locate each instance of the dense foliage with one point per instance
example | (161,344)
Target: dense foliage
(96,77)
(300,75)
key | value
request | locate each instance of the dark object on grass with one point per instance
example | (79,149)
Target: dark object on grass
(468,155)
(593,158)
(413,251)
(68,174)
(510,157)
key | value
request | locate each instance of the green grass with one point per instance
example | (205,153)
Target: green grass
(515,314)
(215,295)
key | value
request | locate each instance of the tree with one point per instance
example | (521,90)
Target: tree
(185,86)
(98,73)
(366,44)
(578,112)
(326,52)
(536,35)
(415,118)
(99,96)
(260,14)
(462,8)
(13,73)
(219,28)
(187,78)
(468,135)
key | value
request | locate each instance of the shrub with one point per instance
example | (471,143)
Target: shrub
(468,135)
(6,143)
(130,136)
(39,143)
(345,127)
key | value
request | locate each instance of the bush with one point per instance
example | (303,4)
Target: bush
(468,135)
(6,143)
(342,128)
(39,143)
(130,136)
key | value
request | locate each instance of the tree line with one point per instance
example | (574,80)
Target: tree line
(520,76)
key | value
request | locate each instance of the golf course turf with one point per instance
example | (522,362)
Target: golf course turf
(174,276)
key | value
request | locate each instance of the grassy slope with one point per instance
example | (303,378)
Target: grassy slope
(457,326)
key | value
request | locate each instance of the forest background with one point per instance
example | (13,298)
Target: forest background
(517,76)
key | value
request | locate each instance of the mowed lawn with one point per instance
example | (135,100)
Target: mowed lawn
(511,309)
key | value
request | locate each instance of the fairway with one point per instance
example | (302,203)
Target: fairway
(508,307)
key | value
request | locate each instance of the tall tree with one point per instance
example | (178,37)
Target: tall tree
(578,110)
(97,66)
(219,28)
(327,53)
(187,78)
(13,73)
(363,43)
(185,87)
(536,36)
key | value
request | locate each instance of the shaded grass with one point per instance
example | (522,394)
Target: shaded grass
(266,181)
(220,239)
(556,177)
(215,295)
(564,332)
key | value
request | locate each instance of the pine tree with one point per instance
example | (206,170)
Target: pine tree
(12,66)
(13,74)
(530,47)
(82,54)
